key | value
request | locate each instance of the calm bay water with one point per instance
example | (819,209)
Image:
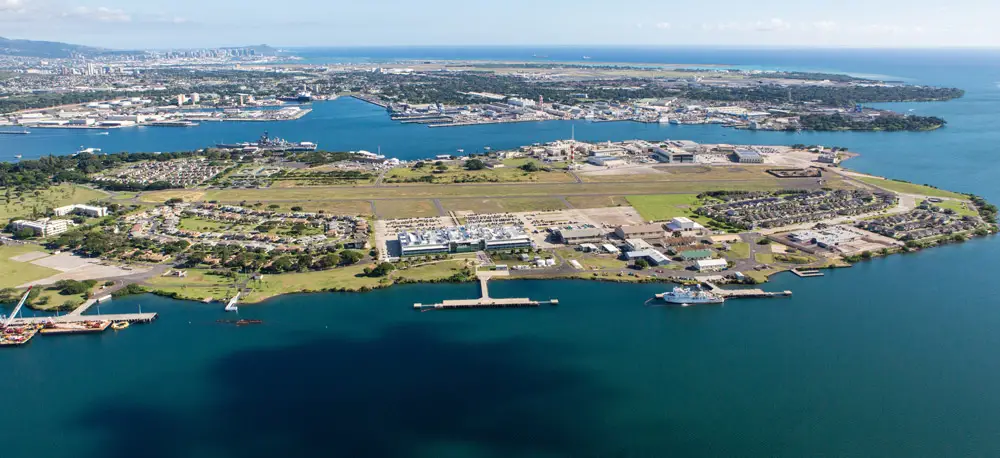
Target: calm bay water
(890,358)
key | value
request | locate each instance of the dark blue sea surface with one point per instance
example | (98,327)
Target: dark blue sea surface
(890,358)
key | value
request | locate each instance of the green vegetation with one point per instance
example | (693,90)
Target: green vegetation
(15,273)
(958,206)
(884,122)
(739,250)
(666,206)
(910,188)
(35,202)
(405,208)
(501,205)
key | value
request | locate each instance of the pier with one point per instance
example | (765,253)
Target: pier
(76,319)
(485,301)
(744,293)
(806,273)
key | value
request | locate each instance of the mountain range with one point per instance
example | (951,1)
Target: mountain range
(32,48)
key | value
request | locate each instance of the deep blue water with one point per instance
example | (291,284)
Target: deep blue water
(893,357)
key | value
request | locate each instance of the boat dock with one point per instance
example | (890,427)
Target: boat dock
(485,301)
(806,273)
(744,293)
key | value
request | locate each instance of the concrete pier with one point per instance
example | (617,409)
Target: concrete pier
(744,293)
(68,319)
(805,273)
(485,301)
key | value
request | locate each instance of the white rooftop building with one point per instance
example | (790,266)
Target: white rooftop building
(683,224)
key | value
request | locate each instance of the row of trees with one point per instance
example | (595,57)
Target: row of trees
(887,123)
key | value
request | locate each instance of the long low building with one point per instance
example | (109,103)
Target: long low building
(711,265)
(576,236)
(652,256)
(462,239)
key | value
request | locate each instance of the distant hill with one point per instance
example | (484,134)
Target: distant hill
(31,48)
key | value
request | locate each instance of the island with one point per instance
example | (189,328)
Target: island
(214,224)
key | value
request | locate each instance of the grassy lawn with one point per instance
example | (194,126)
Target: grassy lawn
(510,173)
(597,201)
(435,271)
(14,273)
(198,285)
(203,225)
(960,207)
(764,258)
(503,204)
(591,261)
(910,188)
(12,204)
(666,206)
(405,208)
(739,250)
(53,299)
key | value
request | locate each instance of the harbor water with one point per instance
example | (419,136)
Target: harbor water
(893,357)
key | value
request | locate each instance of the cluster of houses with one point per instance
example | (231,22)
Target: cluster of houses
(766,210)
(164,223)
(178,172)
(920,224)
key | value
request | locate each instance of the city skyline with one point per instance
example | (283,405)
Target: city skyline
(120,24)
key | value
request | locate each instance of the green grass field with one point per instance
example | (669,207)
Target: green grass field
(14,273)
(510,173)
(911,188)
(591,261)
(597,201)
(960,207)
(199,284)
(503,204)
(13,205)
(740,250)
(405,208)
(666,206)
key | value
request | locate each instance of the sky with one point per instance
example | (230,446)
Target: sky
(131,24)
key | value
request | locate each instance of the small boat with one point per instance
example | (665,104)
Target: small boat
(18,156)
(119,325)
(231,306)
(246,322)
(104,133)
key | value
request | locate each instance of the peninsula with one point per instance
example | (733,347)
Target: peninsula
(209,224)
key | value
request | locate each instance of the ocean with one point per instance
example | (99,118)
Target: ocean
(893,357)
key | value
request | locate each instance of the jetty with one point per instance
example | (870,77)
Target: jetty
(744,293)
(806,273)
(485,301)
(78,319)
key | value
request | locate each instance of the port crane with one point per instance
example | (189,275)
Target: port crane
(10,319)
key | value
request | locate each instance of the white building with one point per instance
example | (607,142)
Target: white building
(711,265)
(683,224)
(520,102)
(89,210)
(43,227)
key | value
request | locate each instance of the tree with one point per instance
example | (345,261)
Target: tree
(475,164)
(530,167)
(641,264)
(350,257)
(24,233)
(274,206)
(174,201)
(380,270)
(296,208)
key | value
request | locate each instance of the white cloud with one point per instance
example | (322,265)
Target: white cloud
(663,25)
(12,6)
(99,14)
(774,24)
(825,26)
